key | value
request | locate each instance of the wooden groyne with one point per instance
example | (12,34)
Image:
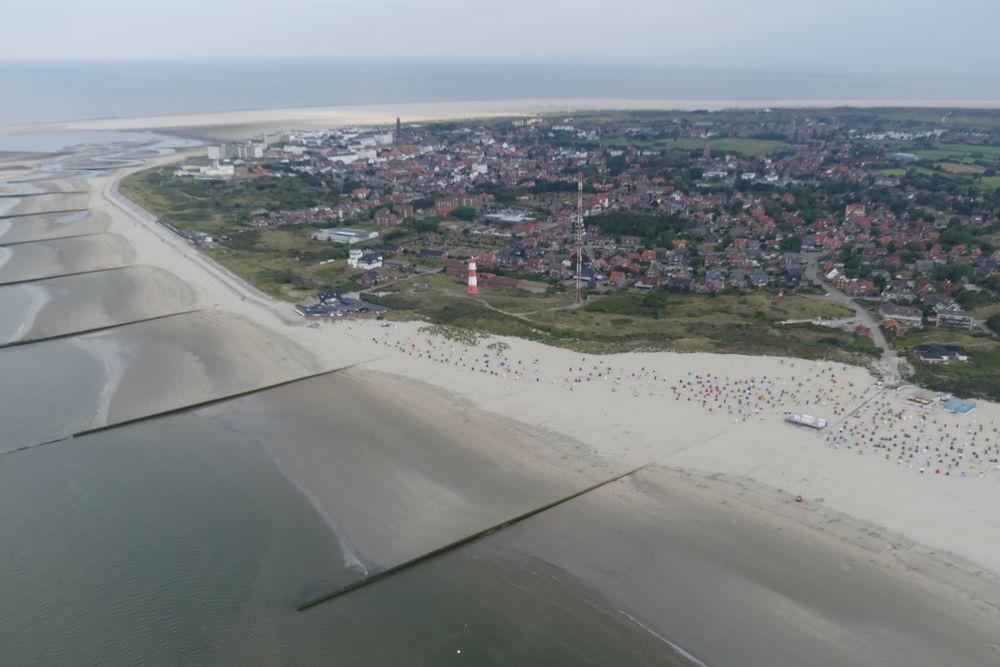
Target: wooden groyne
(188,407)
(106,327)
(51,238)
(28,215)
(65,275)
(396,569)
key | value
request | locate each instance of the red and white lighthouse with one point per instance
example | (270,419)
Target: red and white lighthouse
(473,285)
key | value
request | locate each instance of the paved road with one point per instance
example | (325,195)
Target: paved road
(889,360)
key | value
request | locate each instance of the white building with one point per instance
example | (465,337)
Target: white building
(359,259)
(344,235)
(247,151)
(216,172)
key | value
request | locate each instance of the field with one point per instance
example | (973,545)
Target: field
(628,321)
(281,261)
(748,147)
(899,172)
(958,155)
(963,163)
(960,168)
(977,378)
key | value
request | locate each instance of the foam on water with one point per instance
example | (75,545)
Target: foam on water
(15,304)
(39,297)
(351,558)
(114,357)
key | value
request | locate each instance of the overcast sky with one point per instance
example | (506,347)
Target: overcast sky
(844,35)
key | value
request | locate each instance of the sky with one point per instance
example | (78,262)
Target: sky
(831,35)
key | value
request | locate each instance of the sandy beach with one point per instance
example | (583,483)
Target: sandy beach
(744,539)
(241,124)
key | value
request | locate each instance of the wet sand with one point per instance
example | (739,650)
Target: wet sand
(188,359)
(55,257)
(402,468)
(46,226)
(60,306)
(178,542)
(53,389)
(737,582)
(51,202)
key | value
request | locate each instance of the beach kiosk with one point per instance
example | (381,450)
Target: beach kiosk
(806,420)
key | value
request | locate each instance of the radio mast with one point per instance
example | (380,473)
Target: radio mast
(579,233)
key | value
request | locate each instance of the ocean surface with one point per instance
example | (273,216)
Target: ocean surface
(170,543)
(39,92)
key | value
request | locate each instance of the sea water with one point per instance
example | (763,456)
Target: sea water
(41,92)
(169,542)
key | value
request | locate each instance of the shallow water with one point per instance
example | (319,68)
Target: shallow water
(93,300)
(19,306)
(170,542)
(47,391)
(7,204)
(15,305)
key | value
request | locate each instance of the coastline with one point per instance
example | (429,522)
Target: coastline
(535,411)
(787,458)
(244,123)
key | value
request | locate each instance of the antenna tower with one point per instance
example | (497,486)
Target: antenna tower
(579,233)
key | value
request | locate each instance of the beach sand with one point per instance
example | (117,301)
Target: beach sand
(238,125)
(884,561)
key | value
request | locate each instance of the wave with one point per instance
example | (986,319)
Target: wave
(352,560)
(114,357)
(684,654)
